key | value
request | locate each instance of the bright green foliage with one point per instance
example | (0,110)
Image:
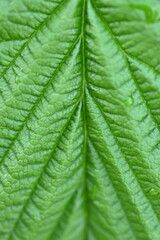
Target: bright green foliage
(79,119)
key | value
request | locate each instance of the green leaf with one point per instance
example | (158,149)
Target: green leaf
(79,120)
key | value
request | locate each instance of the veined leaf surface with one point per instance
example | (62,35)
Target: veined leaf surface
(79,120)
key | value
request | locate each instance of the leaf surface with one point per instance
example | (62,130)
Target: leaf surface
(79,120)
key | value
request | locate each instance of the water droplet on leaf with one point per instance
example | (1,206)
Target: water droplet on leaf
(129,101)
(17,81)
(153,192)
(152,15)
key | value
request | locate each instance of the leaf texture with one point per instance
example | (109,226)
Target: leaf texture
(79,120)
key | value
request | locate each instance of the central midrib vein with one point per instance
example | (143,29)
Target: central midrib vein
(84,117)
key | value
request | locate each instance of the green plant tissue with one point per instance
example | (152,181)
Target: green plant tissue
(79,120)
